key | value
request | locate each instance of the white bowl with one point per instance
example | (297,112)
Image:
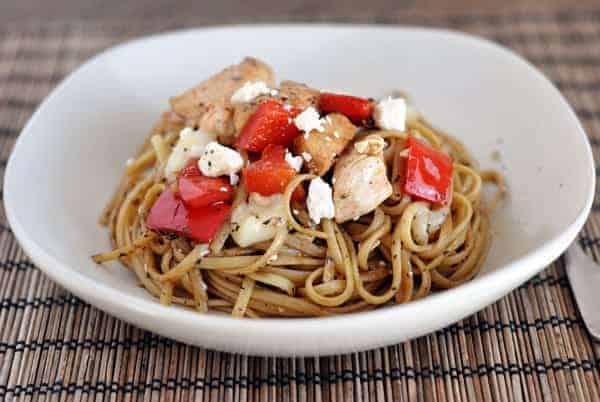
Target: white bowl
(70,155)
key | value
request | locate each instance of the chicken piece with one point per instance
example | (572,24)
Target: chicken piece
(298,95)
(324,146)
(241,114)
(427,222)
(257,219)
(243,111)
(208,105)
(360,181)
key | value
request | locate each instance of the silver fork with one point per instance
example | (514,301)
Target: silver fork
(584,275)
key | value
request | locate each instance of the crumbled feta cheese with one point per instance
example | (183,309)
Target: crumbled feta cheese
(234,179)
(319,201)
(218,160)
(196,151)
(390,114)
(191,144)
(293,161)
(250,91)
(273,92)
(257,219)
(287,107)
(309,120)
(306,156)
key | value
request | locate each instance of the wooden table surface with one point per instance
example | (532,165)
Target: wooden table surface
(228,10)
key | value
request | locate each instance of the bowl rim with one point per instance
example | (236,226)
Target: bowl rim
(115,301)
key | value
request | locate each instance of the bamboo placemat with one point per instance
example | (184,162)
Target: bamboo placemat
(529,346)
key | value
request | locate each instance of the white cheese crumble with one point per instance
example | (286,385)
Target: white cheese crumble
(319,201)
(218,160)
(191,144)
(306,156)
(309,120)
(390,114)
(250,91)
(293,161)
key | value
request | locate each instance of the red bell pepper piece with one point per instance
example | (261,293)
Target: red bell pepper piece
(428,173)
(271,174)
(170,214)
(271,123)
(197,190)
(358,110)
(205,222)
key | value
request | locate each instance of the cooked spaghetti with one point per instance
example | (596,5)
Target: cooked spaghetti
(265,201)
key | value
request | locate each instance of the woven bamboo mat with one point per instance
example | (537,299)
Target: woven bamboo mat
(529,346)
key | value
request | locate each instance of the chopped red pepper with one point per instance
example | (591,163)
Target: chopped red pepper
(358,110)
(428,173)
(271,174)
(197,190)
(271,123)
(170,214)
(205,222)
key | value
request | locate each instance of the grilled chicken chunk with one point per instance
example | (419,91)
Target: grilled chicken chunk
(323,147)
(208,105)
(298,95)
(242,112)
(360,181)
(428,221)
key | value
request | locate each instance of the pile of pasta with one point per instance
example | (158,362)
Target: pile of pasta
(307,270)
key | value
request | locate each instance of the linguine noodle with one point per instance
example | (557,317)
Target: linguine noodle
(307,270)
